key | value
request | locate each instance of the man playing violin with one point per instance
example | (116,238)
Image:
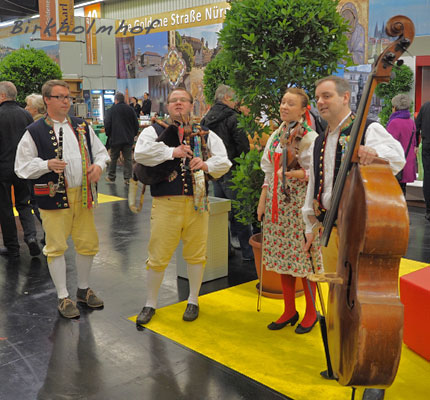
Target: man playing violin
(179,208)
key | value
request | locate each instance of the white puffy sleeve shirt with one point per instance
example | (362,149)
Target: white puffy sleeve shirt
(376,137)
(149,152)
(268,167)
(29,166)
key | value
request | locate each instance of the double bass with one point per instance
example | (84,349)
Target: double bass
(364,312)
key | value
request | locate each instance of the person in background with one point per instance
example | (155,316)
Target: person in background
(179,205)
(135,105)
(222,119)
(66,210)
(121,127)
(146,104)
(423,129)
(35,106)
(403,129)
(283,228)
(13,121)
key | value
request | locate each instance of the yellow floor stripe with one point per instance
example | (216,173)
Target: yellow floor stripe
(103,198)
(230,331)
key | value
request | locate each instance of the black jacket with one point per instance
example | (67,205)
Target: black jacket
(423,123)
(222,120)
(13,123)
(121,124)
(146,107)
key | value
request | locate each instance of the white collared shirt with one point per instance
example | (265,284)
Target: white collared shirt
(376,137)
(149,152)
(29,166)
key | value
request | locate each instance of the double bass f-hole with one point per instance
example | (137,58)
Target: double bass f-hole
(349,302)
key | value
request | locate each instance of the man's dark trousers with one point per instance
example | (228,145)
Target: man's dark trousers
(22,205)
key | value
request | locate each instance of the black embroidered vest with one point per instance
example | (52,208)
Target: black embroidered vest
(46,142)
(182,184)
(318,158)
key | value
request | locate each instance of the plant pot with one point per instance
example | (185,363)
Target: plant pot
(272,286)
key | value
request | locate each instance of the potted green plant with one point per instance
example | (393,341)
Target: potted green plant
(247,179)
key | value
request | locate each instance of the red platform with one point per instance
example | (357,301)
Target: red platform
(415,296)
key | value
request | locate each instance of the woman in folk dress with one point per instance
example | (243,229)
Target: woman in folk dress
(283,228)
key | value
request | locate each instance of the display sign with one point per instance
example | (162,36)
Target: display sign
(91,12)
(180,19)
(57,19)
(48,19)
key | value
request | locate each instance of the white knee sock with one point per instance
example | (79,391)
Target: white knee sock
(83,268)
(195,276)
(57,269)
(153,283)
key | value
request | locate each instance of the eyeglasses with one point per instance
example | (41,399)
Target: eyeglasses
(179,99)
(62,98)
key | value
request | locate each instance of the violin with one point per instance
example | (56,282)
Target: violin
(290,143)
(364,313)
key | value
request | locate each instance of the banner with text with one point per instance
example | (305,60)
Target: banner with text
(91,12)
(57,18)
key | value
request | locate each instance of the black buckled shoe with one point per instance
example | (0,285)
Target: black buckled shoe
(191,312)
(274,326)
(145,315)
(301,329)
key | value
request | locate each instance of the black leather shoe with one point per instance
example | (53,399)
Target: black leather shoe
(33,246)
(274,326)
(301,329)
(4,251)
(191,312)
(145,315)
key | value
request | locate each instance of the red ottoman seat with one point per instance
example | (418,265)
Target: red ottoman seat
(415,296)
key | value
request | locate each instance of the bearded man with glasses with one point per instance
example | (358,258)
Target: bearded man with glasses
(178,210)
(64,159)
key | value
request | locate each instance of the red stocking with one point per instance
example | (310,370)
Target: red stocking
(311,314)
(289,290)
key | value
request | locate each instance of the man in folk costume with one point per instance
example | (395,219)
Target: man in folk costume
(333,95)
(64,159)
(180,204)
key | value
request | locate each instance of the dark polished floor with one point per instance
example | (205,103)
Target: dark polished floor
(102,355)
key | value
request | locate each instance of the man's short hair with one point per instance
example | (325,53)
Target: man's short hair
(182,90)
(342,85)
(119,97)
(401,102)
(48,86)
(36,101)
(223,91)
(8,89)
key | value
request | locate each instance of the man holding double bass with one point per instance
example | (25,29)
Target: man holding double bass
(333,95)
(179,205)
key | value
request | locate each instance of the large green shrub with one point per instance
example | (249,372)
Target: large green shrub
(28,69)
(216,73)
(247,181)
(271,45)
(401,82)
